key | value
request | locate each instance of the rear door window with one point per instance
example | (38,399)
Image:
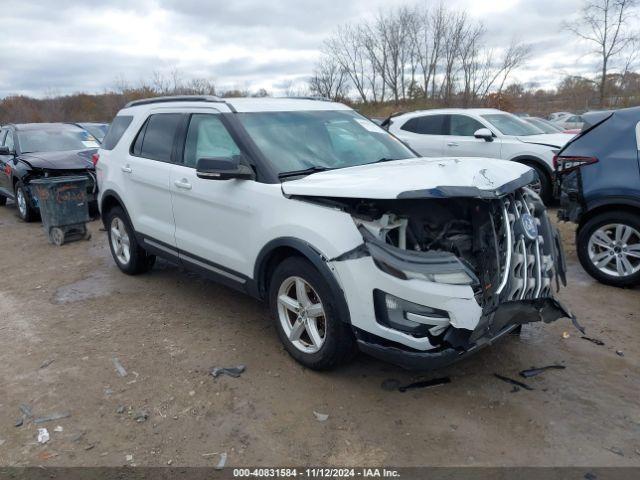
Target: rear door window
(426,125)
(156,137)
(116,130)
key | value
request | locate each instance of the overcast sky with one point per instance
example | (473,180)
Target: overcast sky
(89,45)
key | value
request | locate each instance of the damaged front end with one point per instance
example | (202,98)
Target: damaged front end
(504,250)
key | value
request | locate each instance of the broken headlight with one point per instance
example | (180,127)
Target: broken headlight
(432,266)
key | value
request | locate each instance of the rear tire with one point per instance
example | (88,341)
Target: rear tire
(316,317)
(545,186)
(129,256)
(593,247)
(25,210)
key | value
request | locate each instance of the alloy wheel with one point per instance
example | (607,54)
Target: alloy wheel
(120,241)
(22,203)
(302,315)
(614,249)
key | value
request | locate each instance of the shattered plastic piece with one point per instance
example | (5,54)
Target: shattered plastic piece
(321,417)
(43,435)
(222,461)
(234,372)
(129,458)
(616,450)
(120,409)
(141,416)
(513,382)
(593,340)
(89,447)
(46,363)
(532,372)
(26,410)
(565,335)
(19,422)
(58,429)
(580,328)
(390,384)
(53,416)
(425,384)
(620,353)
(119,368)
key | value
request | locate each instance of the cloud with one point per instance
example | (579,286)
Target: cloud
(71,45)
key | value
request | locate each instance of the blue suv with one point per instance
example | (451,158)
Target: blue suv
(598,175)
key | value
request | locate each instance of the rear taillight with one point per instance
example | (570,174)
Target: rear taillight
(95,158)
(566,164)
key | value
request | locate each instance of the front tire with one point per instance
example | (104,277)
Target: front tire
(544,186)
(306,318)
(129,256)
(25,210)
(609,248)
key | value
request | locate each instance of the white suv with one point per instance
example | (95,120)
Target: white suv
(481,133)
(354,241)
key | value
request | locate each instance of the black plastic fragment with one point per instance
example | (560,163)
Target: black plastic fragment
(532,372)
(593,340)
(234,372)
(513,382)
(425,384)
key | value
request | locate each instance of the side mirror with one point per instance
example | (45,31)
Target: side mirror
(223,168)
(4,150)
(485,134)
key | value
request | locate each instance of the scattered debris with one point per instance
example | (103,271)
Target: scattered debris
(169,462)
(43,435)
(129,458)
(89,447)
(593,340)
(616,450)
(565,335)
(141,416)
(120,409)
(390,384)
(620,353)
(532,372)
(425,384)
(206,455)
(513,382)
(47,455)
(119,368)
(58,429)
(19,422)
(234,372)
(108,392)
(590,476)
(192,393)
(26,410)
(53,416)
(78,437)
(46,363)
(222,461)
(321,417)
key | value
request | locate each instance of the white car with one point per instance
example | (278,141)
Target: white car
(354,241)
(571,122)
(481,133)
(554,117)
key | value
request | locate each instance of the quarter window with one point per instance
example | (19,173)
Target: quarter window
(116,130)
(207,137)
(155,139)
(8,142)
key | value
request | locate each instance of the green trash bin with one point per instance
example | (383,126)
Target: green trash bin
(64,207)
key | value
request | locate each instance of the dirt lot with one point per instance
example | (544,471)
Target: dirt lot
(168,328)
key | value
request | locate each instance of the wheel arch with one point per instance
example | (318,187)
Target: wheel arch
(109,200)
(532,160)
(620,205)
(279,249)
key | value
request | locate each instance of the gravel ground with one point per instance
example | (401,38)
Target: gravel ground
(71,308)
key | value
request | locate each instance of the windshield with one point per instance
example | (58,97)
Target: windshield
(98,130)
(508,124)
(543,125)
(55,140)
(303,140)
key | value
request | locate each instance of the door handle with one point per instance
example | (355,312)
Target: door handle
(452,144)
(184,184)
(126,169)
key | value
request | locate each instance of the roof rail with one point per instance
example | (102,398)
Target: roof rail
(308,97)
(176,98)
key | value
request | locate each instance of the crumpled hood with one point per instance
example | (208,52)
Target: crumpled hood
(557,140)
(416,178)
(69,160)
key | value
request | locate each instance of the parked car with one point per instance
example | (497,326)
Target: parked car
(554,117)
(545,125)
(290,201)
(599,181)
(98,130)
(481,133)
(35,150)
(571,122)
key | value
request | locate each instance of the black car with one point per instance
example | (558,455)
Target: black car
(599,180)
(36,150)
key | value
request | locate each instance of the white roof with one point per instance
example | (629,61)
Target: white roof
(449,111)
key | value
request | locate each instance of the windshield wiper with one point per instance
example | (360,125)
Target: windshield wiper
(306,171)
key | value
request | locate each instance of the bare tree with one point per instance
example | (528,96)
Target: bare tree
(329,79)
(605,24)
(347,48)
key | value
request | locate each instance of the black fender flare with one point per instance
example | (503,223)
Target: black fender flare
(112,194)
(309,252)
